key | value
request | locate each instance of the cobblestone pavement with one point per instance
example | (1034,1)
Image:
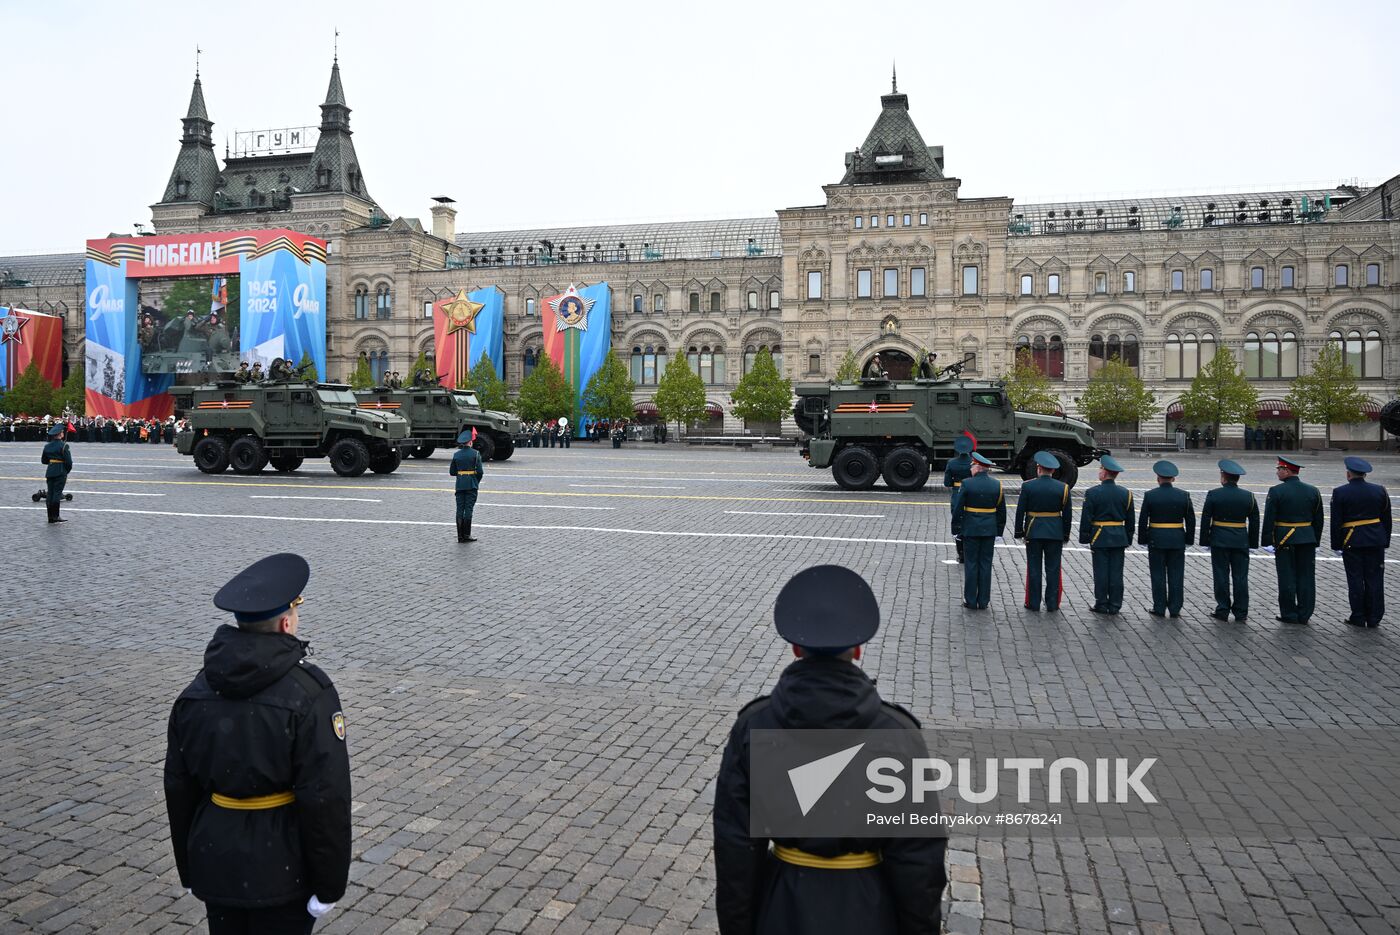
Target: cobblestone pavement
(536,719)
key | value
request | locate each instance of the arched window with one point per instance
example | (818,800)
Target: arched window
(1047,353)
(1056,361)
(1354,358)
(1130,351)
(1052,284)
(1362,354)
(648,364)
(383,303)
(1026,284)
(1371,359)
(1098,353)
(750,355)
(528,360)
(378,365)
(1172,351)
(1251,356)
(1268,354)
(1123,349)
(1271,357)
(637,365)
(361,302)
(1288,356)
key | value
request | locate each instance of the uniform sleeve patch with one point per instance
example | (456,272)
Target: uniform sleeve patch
(338,725)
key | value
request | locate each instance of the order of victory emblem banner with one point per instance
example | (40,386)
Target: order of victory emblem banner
(571,309)
(575,348)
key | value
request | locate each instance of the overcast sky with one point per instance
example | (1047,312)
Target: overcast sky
(534,114)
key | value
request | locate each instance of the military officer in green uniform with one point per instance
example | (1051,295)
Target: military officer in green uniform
(957,470)
(1106,527)
(467,469)
(979,516)
(1166,525)
(1292,531)
(58,462)
(1230,528)
(1044,515)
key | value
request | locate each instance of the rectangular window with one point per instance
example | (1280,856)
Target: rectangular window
(1178,280)
(1130,281)
(1207,280)
(863,284)
(1341,275)
(1256,277)
(1285,277)
(918,286)
(714,302)
(890,287)
(775,299)
(637,303)
(658,303)
(969,280)
(1052,284)
(1027,284)
(695,302)
(814,284)
(1101,283)
(383,304)
(529,306)
(361,304)
(814,363)
(860,221)
(889,220)
(753,301)
(923,219)
(874,220)
(427,310)
(1373,274)
(907,220)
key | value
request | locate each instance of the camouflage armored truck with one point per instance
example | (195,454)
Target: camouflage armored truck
(247,426)
(901,430)
(437,415)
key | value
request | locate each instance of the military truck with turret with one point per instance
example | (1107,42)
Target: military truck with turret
(246,426)
(437,415)
(903,429)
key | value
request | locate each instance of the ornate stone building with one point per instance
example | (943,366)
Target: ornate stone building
(893,261)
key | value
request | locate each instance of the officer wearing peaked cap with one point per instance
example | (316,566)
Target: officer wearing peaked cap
(58,464)
(979,518)
(1230,528)
(1106,527)
(1292,530)
(881,886)
(467,468)
(957,470)
(1044,515)
(257,777)
(1166,525)
(1361,523)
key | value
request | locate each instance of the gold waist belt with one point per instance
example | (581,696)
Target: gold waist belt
(800,858)
(1221,522)
(466,473)
(980,509)
(1351,526)
(256,804)
(1045,515)
(1166,525)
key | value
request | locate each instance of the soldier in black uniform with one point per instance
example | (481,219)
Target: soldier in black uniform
(866,886)
(957,470)
(1166,525)
(58,464)
(1044,516)
(1360,534)
(257,777)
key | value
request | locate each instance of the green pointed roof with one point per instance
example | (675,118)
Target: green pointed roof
(894,150)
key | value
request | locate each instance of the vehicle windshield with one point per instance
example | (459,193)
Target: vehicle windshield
(337,397)
(466,397)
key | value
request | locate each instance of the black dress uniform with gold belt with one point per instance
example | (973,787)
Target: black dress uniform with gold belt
(874,886)
(1166,525)
(467,468)
(58,464)
(1361,532)
(1230,528)
(1044,516)
(979,516)
(1106,527)
(957,470)
(257,777)
(1293,526)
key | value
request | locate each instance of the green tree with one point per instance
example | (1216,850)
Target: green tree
(72,395)
(490,389)
(1328,392)
(848,371)
(1220,394)
(680,394)
(608,394)
(31,394)
(1027,389)
(545,394)
(360,377)
(1118,396)
(306,368)
(418,365)
(763,395)
(195,294)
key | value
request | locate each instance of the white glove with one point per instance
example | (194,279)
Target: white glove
(1336,551)
(318,908)
(1269,549)
(189,892)
(1000,539)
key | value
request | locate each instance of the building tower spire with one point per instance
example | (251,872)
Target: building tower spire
(894,78)
(196,168)
(335,164)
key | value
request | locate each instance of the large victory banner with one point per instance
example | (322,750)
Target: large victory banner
(467,327)
(578,335)
(30,337)
(282,305)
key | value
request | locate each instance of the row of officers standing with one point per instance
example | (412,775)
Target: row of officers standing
(1291,528)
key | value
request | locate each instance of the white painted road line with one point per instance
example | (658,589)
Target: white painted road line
(843,515)
(257,496)
(627,486)
(113,493)
(541,506)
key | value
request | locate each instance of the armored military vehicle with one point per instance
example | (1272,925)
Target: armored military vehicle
(903,429)
(438,415)
(246,426)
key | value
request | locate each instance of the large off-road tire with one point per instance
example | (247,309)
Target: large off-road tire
(246,455)
(423,451)
(1028,471)
(211,455)
(855,468)
(1069,471)
(905,469)
(504,449)
(285,464)
(349,457)
(485,445)
(386,463)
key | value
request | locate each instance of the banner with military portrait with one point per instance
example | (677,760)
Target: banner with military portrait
(578,335)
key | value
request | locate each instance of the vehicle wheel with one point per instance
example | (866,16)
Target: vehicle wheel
(285,464)
(855,468)
(1069,471)
(423,451)
(484,445)
(386,463)
(349,457)
(246,456)
(905,469)
(211,455)
(504,449)
(1028,471)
